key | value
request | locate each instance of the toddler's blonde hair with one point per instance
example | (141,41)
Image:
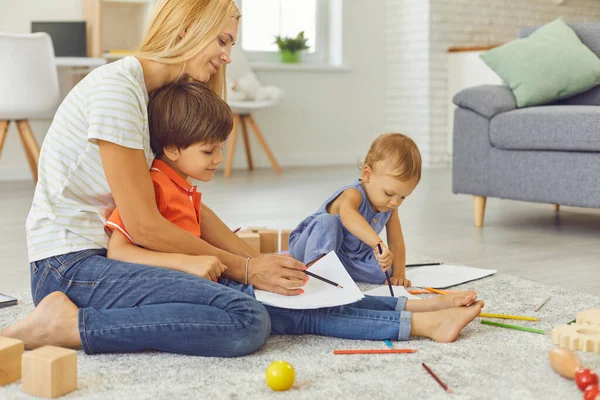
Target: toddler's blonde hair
(400,151)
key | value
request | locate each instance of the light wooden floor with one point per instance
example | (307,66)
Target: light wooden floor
(521,239)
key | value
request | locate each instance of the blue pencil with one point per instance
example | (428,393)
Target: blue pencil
(388,343)
(387,275)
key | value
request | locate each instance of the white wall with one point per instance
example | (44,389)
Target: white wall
(420,32)
(325,118)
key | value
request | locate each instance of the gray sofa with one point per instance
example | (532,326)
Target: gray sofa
(547,154)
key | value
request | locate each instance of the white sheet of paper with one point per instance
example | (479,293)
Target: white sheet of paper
(399,291)
(318,294)
(444,276)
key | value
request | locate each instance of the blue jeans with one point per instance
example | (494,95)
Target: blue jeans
(125,307)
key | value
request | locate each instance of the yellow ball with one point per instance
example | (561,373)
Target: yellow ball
(280,375)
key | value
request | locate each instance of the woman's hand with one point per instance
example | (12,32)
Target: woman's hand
(207,267)
(278,274)
(385,258)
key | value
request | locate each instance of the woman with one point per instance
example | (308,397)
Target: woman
(97,154)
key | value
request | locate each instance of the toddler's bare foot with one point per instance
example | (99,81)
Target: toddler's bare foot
(444,326)
(53,322)
(442,302)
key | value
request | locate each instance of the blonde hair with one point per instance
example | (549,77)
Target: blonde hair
(201,20)
(400,151)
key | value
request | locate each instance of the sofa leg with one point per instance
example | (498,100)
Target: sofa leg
(479,210)
(556,207)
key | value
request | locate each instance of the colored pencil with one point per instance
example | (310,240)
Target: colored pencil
(388,343)
(571,322)
(442,384)
(387,275)
(436,291)
(519,328)
(542,304)
(504,316)
(377,351)
(323,279)
(422,265)
(419,291)
(236,230)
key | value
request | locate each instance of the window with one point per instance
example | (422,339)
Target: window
(262,20)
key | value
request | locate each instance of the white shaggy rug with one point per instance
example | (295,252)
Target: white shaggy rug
(486,361)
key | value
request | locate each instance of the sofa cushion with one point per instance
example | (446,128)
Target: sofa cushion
(550,64)
(486,100)
(566,128)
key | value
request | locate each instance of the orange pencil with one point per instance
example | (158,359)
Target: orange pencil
(436,291)
(419,291)
(379,351)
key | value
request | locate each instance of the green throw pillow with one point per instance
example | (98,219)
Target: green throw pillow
(550,64)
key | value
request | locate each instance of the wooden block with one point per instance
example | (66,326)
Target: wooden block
(269,241)
(49,372)
(11,351)
(285,239)
(251,238)
(591,317)
(255,229)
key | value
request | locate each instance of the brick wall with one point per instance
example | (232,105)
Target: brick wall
(418,33)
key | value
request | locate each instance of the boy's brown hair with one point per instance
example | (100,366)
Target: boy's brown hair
(186,112)
(400,151)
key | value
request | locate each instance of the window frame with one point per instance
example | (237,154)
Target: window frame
(322,31)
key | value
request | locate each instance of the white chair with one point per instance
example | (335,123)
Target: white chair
(28,85)
(242,115)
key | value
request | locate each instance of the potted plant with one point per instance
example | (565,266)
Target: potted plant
(289,47)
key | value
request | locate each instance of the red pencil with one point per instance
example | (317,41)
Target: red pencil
(237,229)
(442,384)
(379,351)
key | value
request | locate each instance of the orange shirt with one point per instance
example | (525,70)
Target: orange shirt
(177,200)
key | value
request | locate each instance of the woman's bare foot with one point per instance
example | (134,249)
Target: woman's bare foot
(53,322)
(444,326)
(442,302)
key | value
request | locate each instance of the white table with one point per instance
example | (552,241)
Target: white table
(76,62)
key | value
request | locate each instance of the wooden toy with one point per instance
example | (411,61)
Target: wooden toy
(269,241)
(251,238)
(49,372)
(591,317)
(285,239)
(577,337)
(564,362)
(11,351)
(567,365)
(280,375)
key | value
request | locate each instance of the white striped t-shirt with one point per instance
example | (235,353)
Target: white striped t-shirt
(72,198)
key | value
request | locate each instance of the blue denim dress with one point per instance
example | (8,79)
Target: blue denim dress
(322,232)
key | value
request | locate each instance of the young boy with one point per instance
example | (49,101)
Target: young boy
(188,126)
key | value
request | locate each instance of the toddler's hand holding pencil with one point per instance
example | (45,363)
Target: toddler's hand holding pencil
(386,257)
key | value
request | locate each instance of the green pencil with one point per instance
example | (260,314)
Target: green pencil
(520,328)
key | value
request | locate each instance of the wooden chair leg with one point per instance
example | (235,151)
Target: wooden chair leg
(32,149)
(246,141)
(479,210)
(231,146)
(556,207)
(3,130)
(264,144)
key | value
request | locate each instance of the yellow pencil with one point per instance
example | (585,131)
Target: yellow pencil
(504,316)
